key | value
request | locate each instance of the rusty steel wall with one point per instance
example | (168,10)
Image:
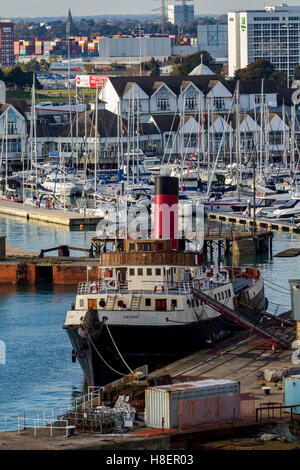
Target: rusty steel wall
(209,410)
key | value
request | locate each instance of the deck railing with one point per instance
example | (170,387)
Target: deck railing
(148,287)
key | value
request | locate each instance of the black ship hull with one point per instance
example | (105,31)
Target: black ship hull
(139,345)
(155,346)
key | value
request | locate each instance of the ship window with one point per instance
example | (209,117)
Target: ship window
(222,295)
(219,296)
(174,303)
(131,246)
(157,271)
(229,293)
(146,246)
(160,246)
(140,247)
(148,302)
(81,303)
(216,297)
(149,272)
(140,271)
(131,272)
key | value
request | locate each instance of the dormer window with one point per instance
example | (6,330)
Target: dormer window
(11,122)
(163,100)
(190,99)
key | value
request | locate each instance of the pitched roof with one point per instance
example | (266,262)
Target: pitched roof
(20,105)
(285,96)
(47,126)
(201,69)
(3,108)
(150,84)
(203,82)
(251,87)
(107,126)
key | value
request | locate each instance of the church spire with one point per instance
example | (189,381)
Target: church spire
(69,22)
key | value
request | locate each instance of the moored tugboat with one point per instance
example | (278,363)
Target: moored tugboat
(142,309)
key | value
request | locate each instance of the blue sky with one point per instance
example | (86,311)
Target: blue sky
(31,8)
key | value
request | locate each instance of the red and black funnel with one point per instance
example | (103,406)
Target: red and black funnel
(166,209)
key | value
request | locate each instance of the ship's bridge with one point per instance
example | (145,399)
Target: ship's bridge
(147,252)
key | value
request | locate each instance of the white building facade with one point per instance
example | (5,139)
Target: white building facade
(272,34)
(156,95)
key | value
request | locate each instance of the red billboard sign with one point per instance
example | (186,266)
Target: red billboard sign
(90,81)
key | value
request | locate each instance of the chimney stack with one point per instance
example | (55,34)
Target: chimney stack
(166,209)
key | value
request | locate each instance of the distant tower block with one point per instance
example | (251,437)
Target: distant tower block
(181,14)
(2,93)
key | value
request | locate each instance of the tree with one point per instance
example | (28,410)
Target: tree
(89,68)
(15,77)
(184,65)
(261,69)
(297,72)
(32,66)
(153,66)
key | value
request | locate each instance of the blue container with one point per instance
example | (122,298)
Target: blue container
(292,392)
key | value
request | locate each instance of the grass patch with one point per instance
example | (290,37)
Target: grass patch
(58,96)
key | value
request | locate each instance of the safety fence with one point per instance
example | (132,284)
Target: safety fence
(277,411)
(22,423)
(77,407)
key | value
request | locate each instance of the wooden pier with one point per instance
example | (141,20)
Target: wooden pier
(258,241)
(267,224)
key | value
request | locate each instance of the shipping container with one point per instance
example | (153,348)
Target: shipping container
(291,391)
(192,403)
(295,296)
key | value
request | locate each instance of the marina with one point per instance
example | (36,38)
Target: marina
(236,357)
(149,280)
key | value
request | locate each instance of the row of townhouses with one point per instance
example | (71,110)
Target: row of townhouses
(161,116)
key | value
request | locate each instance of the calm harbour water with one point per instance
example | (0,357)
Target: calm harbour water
(39,373)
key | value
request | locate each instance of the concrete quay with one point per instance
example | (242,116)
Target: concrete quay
(31,270)
(50,216)
(235,358)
